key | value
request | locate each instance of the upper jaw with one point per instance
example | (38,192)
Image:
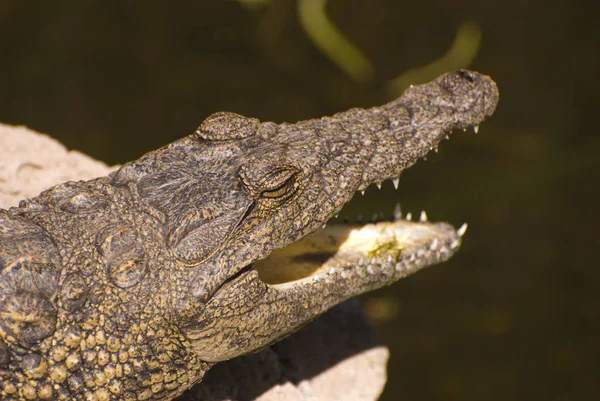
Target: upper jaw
(418,121)
(398,133)
(353,149)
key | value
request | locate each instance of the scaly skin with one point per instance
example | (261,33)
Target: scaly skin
(131,286)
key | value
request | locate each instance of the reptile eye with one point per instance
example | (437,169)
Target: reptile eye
(273,186)
(281,190)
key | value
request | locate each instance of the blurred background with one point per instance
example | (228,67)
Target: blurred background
(516,314)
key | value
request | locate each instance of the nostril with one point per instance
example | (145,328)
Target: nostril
(466,75)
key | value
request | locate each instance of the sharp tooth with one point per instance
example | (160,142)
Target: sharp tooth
(409,216)
(464,130)
(374,218)
(476,128)
(361,262)
(324,225)
(434,245)
(397,212)
(454,244)
(331,271)
(462,230)
(372,261)
(389,258)
(395,181)
(362,192)
(447,137)
(337,215)
(423,216)
(435,150)
(378,185)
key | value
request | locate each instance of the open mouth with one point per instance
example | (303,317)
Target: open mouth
(400,246)
(274,296)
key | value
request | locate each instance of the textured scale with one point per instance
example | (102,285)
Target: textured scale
(131,286)
(74,335)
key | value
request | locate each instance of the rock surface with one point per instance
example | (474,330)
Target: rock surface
(336,357)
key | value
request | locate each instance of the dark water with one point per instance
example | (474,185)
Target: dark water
(516,314)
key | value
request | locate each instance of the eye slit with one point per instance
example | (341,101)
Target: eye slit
(280,191)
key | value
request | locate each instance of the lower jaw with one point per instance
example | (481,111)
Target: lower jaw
(341,249)
(277,295)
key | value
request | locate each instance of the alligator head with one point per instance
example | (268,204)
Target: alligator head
(131,286)
(238,190)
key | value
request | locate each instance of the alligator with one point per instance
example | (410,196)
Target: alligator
(133,285)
